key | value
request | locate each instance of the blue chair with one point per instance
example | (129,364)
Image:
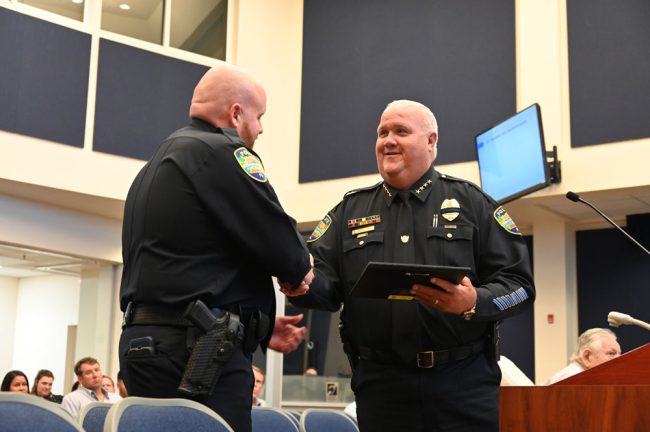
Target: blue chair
(93,415)
(326,420)
(266,419)
(295,415)
(137,414)
(24,412)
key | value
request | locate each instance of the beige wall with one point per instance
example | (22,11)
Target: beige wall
(83,192)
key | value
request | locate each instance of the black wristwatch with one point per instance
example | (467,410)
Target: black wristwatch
(469,314)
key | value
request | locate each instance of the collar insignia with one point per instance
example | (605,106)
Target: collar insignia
(390,195)
(366,220)
(424,186)
(450,209)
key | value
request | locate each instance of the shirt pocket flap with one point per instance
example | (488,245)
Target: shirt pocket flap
(460,232)
(360,242)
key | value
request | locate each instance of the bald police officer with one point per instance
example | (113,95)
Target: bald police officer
(426,364)
(202,222)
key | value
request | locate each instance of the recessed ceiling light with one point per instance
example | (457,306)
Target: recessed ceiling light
(125,6)
(77,1)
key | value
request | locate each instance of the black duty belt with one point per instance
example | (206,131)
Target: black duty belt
(256,323)
(423,359)
(156,314)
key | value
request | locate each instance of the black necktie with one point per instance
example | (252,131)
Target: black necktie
(404,312)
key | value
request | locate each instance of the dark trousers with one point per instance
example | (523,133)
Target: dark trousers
(158,375)
(461,396)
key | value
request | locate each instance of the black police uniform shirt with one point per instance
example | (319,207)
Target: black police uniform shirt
(445,221)
(201,221)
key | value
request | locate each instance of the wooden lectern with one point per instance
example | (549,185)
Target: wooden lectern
(614,396)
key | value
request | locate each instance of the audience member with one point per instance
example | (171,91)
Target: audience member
(43,386)
(108,384)
(89,376)
(121,388)
(595,346)
(258,386)
(15,381)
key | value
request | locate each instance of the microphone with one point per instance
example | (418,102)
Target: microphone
(575,198)
(616,319)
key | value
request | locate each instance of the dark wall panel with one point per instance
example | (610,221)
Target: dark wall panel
(609,66)
(518,333)
(43,79)
(141,98)
(457,57)
(613,275)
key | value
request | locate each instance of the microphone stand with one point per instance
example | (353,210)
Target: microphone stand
(575,198)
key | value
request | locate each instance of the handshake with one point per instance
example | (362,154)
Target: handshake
(294,291)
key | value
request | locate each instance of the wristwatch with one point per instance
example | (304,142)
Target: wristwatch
(469,314)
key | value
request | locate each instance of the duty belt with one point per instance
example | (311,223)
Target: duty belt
(423,359)
(155,314)
(256,323)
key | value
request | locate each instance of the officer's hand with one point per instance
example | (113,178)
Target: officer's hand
(448,297)
(286,288)
(286,336)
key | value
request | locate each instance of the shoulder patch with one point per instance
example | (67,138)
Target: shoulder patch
(320,229)
(504,219)
(251,164)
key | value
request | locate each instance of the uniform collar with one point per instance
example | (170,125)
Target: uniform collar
(420,189)
(205,126)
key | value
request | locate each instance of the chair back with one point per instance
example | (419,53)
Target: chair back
(138,414)
(267,419)
(326,420)
(93,416)
(24,412)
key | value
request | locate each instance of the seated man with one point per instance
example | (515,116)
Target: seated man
(595,346)
(258,387)
(89,376)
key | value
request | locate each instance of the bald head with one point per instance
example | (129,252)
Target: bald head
(426,117)
(229,97)
(406,145)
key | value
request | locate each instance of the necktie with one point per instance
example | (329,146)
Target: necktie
(404,312)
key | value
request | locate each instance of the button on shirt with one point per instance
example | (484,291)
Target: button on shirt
(75,401)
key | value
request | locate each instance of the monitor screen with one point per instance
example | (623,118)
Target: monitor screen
(512,156)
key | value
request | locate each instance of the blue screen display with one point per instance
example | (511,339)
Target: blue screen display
(512,157)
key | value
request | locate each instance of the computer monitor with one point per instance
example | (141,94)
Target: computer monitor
(512,156)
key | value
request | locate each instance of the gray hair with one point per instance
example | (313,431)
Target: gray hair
(592,339)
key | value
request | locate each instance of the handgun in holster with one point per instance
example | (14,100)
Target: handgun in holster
(213,349)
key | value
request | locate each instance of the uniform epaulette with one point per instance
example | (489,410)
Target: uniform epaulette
(367,188)
(469,183)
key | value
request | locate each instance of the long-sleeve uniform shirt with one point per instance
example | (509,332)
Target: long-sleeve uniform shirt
(202,222)
(444,221)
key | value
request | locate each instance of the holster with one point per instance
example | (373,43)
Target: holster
(353,357)
(494,341)
(213,349)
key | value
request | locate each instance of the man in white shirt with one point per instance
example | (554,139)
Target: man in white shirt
(595,346)
(258,387)
(89,375)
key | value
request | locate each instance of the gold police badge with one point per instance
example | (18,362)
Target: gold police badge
(450,209)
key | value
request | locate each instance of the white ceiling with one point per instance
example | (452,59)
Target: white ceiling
(20,262)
